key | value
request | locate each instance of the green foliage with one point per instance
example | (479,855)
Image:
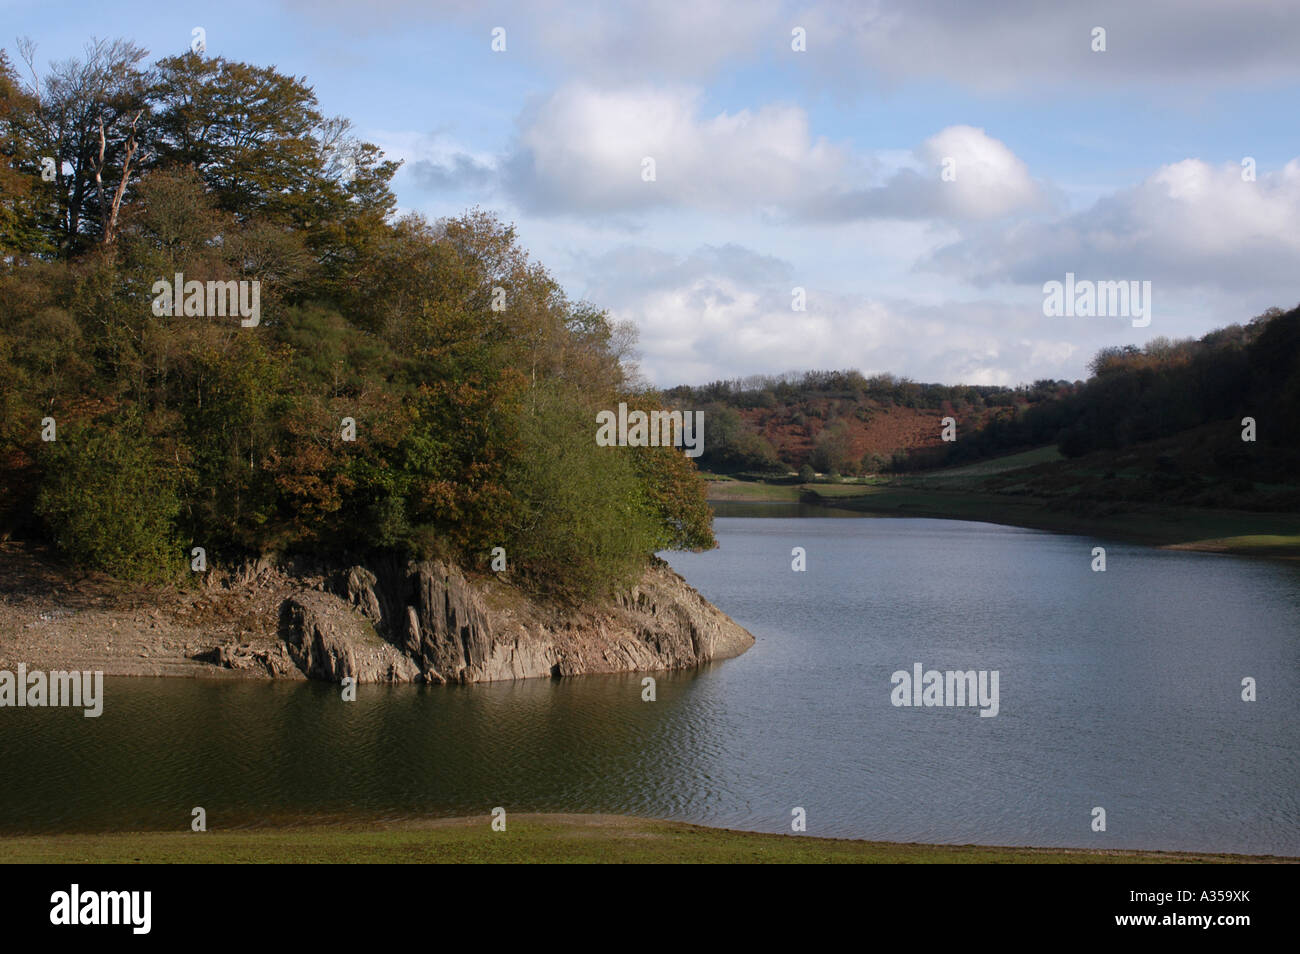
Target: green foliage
(817,416)
(580,506)
(108,503)
(832,449)
(474,424)
(1135,395)
(732,446)
(1142,394)
(25,221)
(676,496)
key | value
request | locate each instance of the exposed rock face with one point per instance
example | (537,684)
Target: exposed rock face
(387,621)
(457,631)
(329,641)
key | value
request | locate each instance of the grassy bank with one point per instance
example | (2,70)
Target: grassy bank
(753,490)
(958,494)
(533,839)
(1181,527)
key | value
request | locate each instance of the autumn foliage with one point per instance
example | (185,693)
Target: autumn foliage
(473,381)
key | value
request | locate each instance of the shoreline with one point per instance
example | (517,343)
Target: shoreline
(422,622)
(52,618)
(547,838)
(1239,533)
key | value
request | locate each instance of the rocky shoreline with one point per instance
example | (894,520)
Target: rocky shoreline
(384,621)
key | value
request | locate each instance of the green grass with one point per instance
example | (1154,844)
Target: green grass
(837,490)
(1262,543)
(535,839)
(753,491)
(994,465)
(1192,528)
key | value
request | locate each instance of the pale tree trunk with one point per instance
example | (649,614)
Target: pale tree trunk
(110,225)
(108,212)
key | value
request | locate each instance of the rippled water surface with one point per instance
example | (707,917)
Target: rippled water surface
(1119,689)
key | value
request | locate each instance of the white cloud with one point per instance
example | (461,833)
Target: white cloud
(582,151)
(1024,45)
(964,174)
(592,39)
(1188,225)
(653,38)
(1028,45)
(722,312)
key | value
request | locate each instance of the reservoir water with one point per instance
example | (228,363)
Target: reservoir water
(1120,690)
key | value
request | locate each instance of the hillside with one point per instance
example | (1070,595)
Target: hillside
(1212,422)
(846,423)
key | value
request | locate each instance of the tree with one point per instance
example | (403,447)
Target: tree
(107,503)
(831,449)
(580,506)
(26,217)
(257,138)
(85,118)
(470,380)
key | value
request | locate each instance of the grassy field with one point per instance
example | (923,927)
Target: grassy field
(752,490)
(994,465)
(756,491)
(537,839)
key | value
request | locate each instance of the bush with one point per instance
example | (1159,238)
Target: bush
(108,505)
(583,524)
(873,463)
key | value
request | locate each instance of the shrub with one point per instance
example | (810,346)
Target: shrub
(108,505)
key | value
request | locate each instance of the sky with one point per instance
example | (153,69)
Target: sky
(913,175)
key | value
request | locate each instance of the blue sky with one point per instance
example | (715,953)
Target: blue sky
(818,169)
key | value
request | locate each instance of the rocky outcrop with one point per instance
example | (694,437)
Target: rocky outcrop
(327,640)
(455,630)
(385,621)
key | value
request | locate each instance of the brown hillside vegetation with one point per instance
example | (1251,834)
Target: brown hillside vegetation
(875,429)
(844,422)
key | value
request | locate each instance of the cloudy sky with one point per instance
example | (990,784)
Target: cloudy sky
(822,168)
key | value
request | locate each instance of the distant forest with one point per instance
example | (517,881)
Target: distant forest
(844,423)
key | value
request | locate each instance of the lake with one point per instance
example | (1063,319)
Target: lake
(1119,689)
